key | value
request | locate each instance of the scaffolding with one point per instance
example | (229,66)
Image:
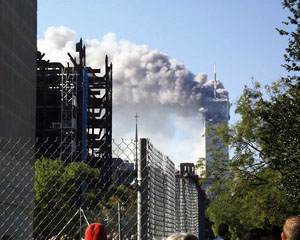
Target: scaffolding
(48,107)
(61,111)
(68,114)
(99,126)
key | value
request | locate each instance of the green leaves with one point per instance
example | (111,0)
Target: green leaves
(293,50)
(58,191)
(246,204)
(57,194)
(259,185)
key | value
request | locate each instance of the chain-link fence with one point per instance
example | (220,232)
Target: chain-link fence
(135,195)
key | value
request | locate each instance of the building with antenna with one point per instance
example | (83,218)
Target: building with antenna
(215,112)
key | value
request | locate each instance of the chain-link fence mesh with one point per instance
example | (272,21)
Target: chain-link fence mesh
(135,195)
(187,195)
(161,192)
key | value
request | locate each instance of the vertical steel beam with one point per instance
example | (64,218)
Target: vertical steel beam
(84,114)
(142,203)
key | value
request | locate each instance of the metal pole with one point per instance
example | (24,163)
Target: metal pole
(84,134)
(119,221)
(80,223)
(84,114)
(139,199)
(136,141)
(142,192)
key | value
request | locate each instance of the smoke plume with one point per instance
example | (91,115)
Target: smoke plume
(161,90)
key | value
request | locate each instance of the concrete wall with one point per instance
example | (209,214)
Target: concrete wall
(18,26)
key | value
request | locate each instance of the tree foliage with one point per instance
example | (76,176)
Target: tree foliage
(247,204)
(259,185)
(292,56)
(119,197)
(57,194)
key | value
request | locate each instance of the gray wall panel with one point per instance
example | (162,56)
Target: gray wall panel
(18,28)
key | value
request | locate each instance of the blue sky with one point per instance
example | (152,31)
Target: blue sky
(238,35)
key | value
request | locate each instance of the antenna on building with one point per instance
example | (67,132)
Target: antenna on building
(136,139)
(215,82)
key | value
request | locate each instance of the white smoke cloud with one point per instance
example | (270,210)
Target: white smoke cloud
(161,90)
(57,42)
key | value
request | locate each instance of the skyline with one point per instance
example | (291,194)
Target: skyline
(238,56)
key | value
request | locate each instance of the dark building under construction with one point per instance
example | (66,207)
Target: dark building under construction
(74,112)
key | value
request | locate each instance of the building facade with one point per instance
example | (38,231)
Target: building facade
(18,28)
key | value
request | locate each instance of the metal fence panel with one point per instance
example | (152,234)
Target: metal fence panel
(43,196)
(187,205)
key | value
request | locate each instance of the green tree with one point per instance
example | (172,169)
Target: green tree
(265,143)
(57,195)
(125,198)
(292,56)
(259,185)
(286,108)
(248,204)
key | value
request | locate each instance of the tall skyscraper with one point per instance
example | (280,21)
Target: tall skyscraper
(215,112)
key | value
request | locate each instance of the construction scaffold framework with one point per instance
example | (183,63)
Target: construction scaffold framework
(75,109)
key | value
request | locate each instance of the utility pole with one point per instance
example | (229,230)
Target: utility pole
(119,223)
(136,140)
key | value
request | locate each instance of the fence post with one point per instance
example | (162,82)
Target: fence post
(119,223)
(142,192)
